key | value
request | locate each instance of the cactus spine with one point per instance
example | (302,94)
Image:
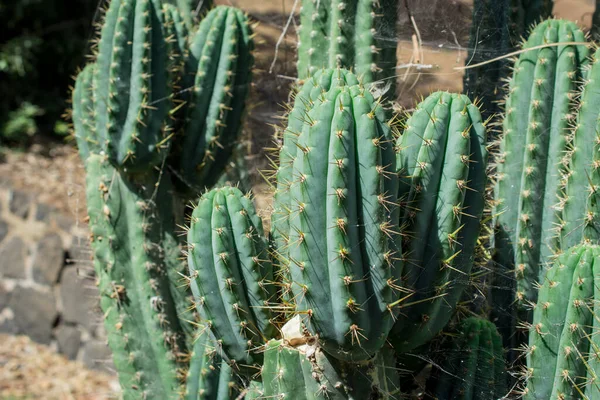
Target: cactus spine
(441,163)
(474,366)
(530,162)
(562,357)
(354,34)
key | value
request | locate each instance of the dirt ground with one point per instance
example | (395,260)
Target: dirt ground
(53,171)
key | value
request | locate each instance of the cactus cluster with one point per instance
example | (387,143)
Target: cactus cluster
(378,224)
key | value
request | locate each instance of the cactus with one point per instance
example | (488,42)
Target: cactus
(527,13)
(562,356)
(209,376)
(473,368)
(321,81)
(342,240)
(133,60)
(441,164)
(530,162)
(215,82)
(356,34)
(127,223)
(228,260)
(306,372)
(579,201)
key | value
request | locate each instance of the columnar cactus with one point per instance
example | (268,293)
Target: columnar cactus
(229,262)
(209,376)
(580,199)
(306,372)
(525,14)
(530,163)
(354,34)
(216,80)
(562,356)
(343,243)
(441,159)
(473,367)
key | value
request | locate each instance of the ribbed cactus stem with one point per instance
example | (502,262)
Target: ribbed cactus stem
(531,159)
(441,160)
(344,252)
(228,261)
(144,332)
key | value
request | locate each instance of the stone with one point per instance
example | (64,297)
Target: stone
(9,326)
(12,254)
(42,212)
(35,312)
(79,297)
(3,230)
(4,295)
(69,340)
(49,259)
(80,252)
(19,204)
(97,355)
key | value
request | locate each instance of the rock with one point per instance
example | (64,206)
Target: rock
(19,204)
(3,230)
(49,259)
(4,295)
(9,326)
(35,313)
(12,254)
(42,212)
(97,355)
(80,252)
(69,340)
(79,297)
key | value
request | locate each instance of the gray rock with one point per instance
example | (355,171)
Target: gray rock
(49,259)
(19,204)
(80,252)
(3,230)
(42,212)
(12,258)
(69,340)
(35,312)
(79,297)
(9,326)
(97,355)
(4,295)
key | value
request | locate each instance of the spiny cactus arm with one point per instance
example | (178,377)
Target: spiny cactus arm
(375,39)
(581,212)
(442,190)
(533,147)
(230,269)
(220,62)
(209,377)
(313,87)
(177,29)
(83,112)
(140,318)
(313,37)
(549,320)
(328,171)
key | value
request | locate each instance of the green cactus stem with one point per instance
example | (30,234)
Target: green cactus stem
(209,376)
(563,344)
(343,242)
(215,83)
(356,34)
(473,366)
(127,225)
(441,162)
(530,162)
(133,60)
(229,263)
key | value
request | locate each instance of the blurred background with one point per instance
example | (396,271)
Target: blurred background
(50,326)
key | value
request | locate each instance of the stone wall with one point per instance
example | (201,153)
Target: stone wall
(47,285)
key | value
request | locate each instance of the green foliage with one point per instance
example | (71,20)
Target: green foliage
(43,44)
